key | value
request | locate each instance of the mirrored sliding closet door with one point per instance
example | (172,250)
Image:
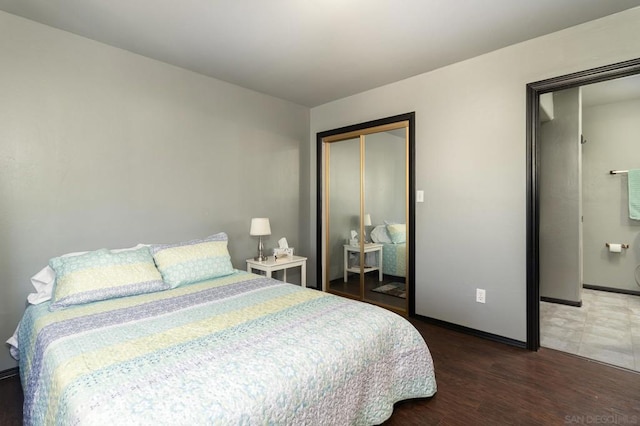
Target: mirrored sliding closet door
(365,221)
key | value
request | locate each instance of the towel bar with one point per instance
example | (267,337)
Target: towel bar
(624,246)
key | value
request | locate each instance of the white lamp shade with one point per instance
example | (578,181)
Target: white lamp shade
(367,219)
(260,226)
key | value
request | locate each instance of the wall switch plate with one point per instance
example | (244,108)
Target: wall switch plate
(481,295)
(420,196)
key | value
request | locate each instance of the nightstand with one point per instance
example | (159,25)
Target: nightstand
(282,264)
(368,248)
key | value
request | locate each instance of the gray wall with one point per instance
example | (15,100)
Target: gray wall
(613,142)
(385,178)
(559,184)
(100,147)
(471,164)
(344,209)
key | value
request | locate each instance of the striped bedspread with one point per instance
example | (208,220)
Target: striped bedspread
(242,349)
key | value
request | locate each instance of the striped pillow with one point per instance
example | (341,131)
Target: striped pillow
(192,261)
(103,274)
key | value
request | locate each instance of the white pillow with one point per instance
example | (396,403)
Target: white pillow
(13,344)
(43,281)
(380,235)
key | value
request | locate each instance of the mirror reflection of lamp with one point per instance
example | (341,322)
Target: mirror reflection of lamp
(367,222)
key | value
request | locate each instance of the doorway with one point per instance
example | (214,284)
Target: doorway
(590,304)
(534,254)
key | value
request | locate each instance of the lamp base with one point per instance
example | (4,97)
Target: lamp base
(260,257)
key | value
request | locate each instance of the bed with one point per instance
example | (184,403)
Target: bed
(394,259)
(234,349)
(393,237)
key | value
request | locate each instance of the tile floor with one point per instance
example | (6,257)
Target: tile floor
(606,328)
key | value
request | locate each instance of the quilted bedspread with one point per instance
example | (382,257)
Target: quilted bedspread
(242,349)
(394,259)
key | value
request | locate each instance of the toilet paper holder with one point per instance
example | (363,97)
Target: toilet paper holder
(624,246)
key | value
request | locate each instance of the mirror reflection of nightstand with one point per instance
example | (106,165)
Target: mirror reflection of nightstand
(368,248)
(281,264)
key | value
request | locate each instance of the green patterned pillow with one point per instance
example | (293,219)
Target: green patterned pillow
(103,274)
(193,261)
(397,233)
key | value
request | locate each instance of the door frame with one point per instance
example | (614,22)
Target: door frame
(411,118)
(534,90)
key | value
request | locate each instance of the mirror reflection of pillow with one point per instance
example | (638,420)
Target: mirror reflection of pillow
(380,235)
(397,233)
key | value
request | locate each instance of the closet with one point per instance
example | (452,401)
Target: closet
(365,223)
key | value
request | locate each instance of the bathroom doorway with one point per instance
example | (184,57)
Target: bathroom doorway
(590,299)
(584,294)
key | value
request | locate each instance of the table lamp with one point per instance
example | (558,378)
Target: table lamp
(367,222)
(260,226)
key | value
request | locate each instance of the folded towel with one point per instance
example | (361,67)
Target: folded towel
(634,194)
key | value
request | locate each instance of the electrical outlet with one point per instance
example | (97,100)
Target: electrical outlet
(481,295)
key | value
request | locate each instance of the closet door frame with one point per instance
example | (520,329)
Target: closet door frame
(320,194)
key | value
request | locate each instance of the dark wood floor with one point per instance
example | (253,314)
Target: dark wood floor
(10,401)
(487,383)
(371,281)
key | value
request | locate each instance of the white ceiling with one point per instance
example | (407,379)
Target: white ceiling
(312,52)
